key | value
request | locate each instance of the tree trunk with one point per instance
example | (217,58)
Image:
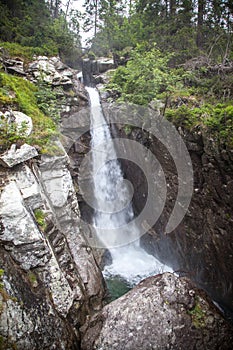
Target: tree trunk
(96,17)
(55,8)
(172,7)
(67,8)
(200,20)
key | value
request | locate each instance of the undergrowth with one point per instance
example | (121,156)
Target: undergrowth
(191,98)
(20,94)
(25,52)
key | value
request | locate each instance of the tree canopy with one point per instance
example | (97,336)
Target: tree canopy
(187,27)
(39,23)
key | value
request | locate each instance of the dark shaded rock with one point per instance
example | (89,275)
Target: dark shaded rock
(28,318)
(162,312)
(14,66)
(201,246)
(90,68)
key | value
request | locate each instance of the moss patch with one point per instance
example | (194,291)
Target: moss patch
(198,315)
(20,94)
(215,118)
(40,217)
(32,279)
(24,52)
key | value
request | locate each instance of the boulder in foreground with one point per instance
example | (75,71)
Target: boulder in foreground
(162,312)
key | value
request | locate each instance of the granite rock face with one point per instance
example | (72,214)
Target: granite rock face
(16,155)
(50,280)
(162,312)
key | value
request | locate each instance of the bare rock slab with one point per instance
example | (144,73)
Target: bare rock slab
(16,156)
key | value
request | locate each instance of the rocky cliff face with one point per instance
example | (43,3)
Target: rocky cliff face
(50,283)
(201,246)
(50,280)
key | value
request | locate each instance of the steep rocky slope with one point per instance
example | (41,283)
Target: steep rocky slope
(50,280)
(201,246)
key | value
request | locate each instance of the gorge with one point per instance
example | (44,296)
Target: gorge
(116,175)
(51,282)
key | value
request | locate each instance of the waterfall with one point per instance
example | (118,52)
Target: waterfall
(113,217)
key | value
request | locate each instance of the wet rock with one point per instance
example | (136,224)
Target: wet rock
(16,155)
(196,247)
(162,312)
(90,68)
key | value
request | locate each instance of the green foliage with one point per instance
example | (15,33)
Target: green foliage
(31,29)
(91,55)
(217,119)
(26,52)
(40,217)
(127,129)
(5,96)
(145,75)
(192,97)
(67,43)
(24,100)
(11,133)
(49,100)
(116,34)
(175,27)
(29,25)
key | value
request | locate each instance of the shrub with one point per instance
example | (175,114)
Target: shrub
(27,52)
(40,218)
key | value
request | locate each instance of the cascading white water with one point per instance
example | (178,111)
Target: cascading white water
(113,206)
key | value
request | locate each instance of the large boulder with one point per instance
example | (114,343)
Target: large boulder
(162,312)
